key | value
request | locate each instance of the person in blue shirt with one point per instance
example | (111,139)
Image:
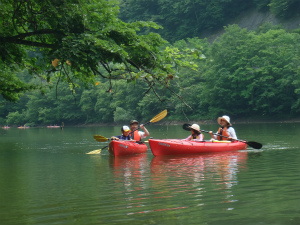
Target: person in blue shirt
(125,134)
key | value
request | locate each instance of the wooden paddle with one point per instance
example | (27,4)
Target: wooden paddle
(252,144)
(100,138)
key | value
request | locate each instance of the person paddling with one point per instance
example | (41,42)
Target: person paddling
(135,134)
(226,129)
(125,134)
(196,134)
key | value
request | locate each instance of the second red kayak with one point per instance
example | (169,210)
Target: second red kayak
(180,147)
(118,148)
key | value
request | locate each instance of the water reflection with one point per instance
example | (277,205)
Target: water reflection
(225,164)
(129,170)
(47,178)
(201,178)
(176,181)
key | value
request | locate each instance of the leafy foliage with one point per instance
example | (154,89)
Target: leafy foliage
(80,41)
(183,19)
(129,74)
(285,8)
(253,73)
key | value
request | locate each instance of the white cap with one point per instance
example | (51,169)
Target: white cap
(195,127)
(125,128)
(224,118)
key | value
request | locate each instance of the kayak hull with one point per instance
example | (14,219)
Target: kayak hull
(181,147)
(119,148)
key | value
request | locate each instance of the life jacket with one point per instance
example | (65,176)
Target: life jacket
(135,135)
(197,137)
(222,131)
(122,137)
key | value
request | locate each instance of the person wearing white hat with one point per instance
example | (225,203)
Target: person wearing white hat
(196,134)
(226,129)
(125,134)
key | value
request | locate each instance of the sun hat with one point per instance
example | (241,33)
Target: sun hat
(195,127)
(134,121)
(224,118)
(125,128)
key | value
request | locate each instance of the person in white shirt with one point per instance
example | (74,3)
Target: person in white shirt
(226,130)
(135,134)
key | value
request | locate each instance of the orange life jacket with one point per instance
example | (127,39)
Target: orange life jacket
(222,132)
(136,136)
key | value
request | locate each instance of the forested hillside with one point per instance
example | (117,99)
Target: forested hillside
(243,73)
(186,19)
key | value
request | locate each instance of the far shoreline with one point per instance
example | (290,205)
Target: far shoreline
(177,122)
(200,122)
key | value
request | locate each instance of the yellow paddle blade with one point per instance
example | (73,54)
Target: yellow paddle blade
(100,138)
(159,116)
(98,151)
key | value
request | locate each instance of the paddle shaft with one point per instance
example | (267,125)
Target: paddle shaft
(99,150)
(139,127)
(205,131)
(252,144)
(155,119)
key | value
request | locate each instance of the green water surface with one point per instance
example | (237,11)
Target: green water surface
(46,178)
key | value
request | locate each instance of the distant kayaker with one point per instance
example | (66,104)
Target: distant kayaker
(226,129)
(196,134)
(125,134)
(135,134)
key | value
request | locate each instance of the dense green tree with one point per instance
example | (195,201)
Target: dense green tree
(181,18)
(244,73)
(253,73)
(78,40)
(285,8)
(11,86)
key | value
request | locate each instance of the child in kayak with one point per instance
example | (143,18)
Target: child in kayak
(125,134)
(226,129)
(196,134)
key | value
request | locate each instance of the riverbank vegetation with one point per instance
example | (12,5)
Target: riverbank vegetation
(245,74)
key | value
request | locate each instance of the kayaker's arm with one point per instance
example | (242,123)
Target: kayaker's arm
(145,130)
(214,136)
(114,138)
(211,134)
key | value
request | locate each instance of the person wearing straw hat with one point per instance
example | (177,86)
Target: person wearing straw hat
(196,134)
(226,129)
(125,134)
(135,134)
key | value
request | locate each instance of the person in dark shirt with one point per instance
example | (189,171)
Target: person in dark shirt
(125,134)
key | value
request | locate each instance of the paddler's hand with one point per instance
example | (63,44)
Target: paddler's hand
(145,130)
(114,138)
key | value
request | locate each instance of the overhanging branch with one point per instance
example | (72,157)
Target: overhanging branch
(37,32)
(19,39)
(25,42)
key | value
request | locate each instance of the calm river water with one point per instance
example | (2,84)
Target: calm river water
(46,178)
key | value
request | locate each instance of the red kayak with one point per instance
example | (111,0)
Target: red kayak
(180,147)
(118,148)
